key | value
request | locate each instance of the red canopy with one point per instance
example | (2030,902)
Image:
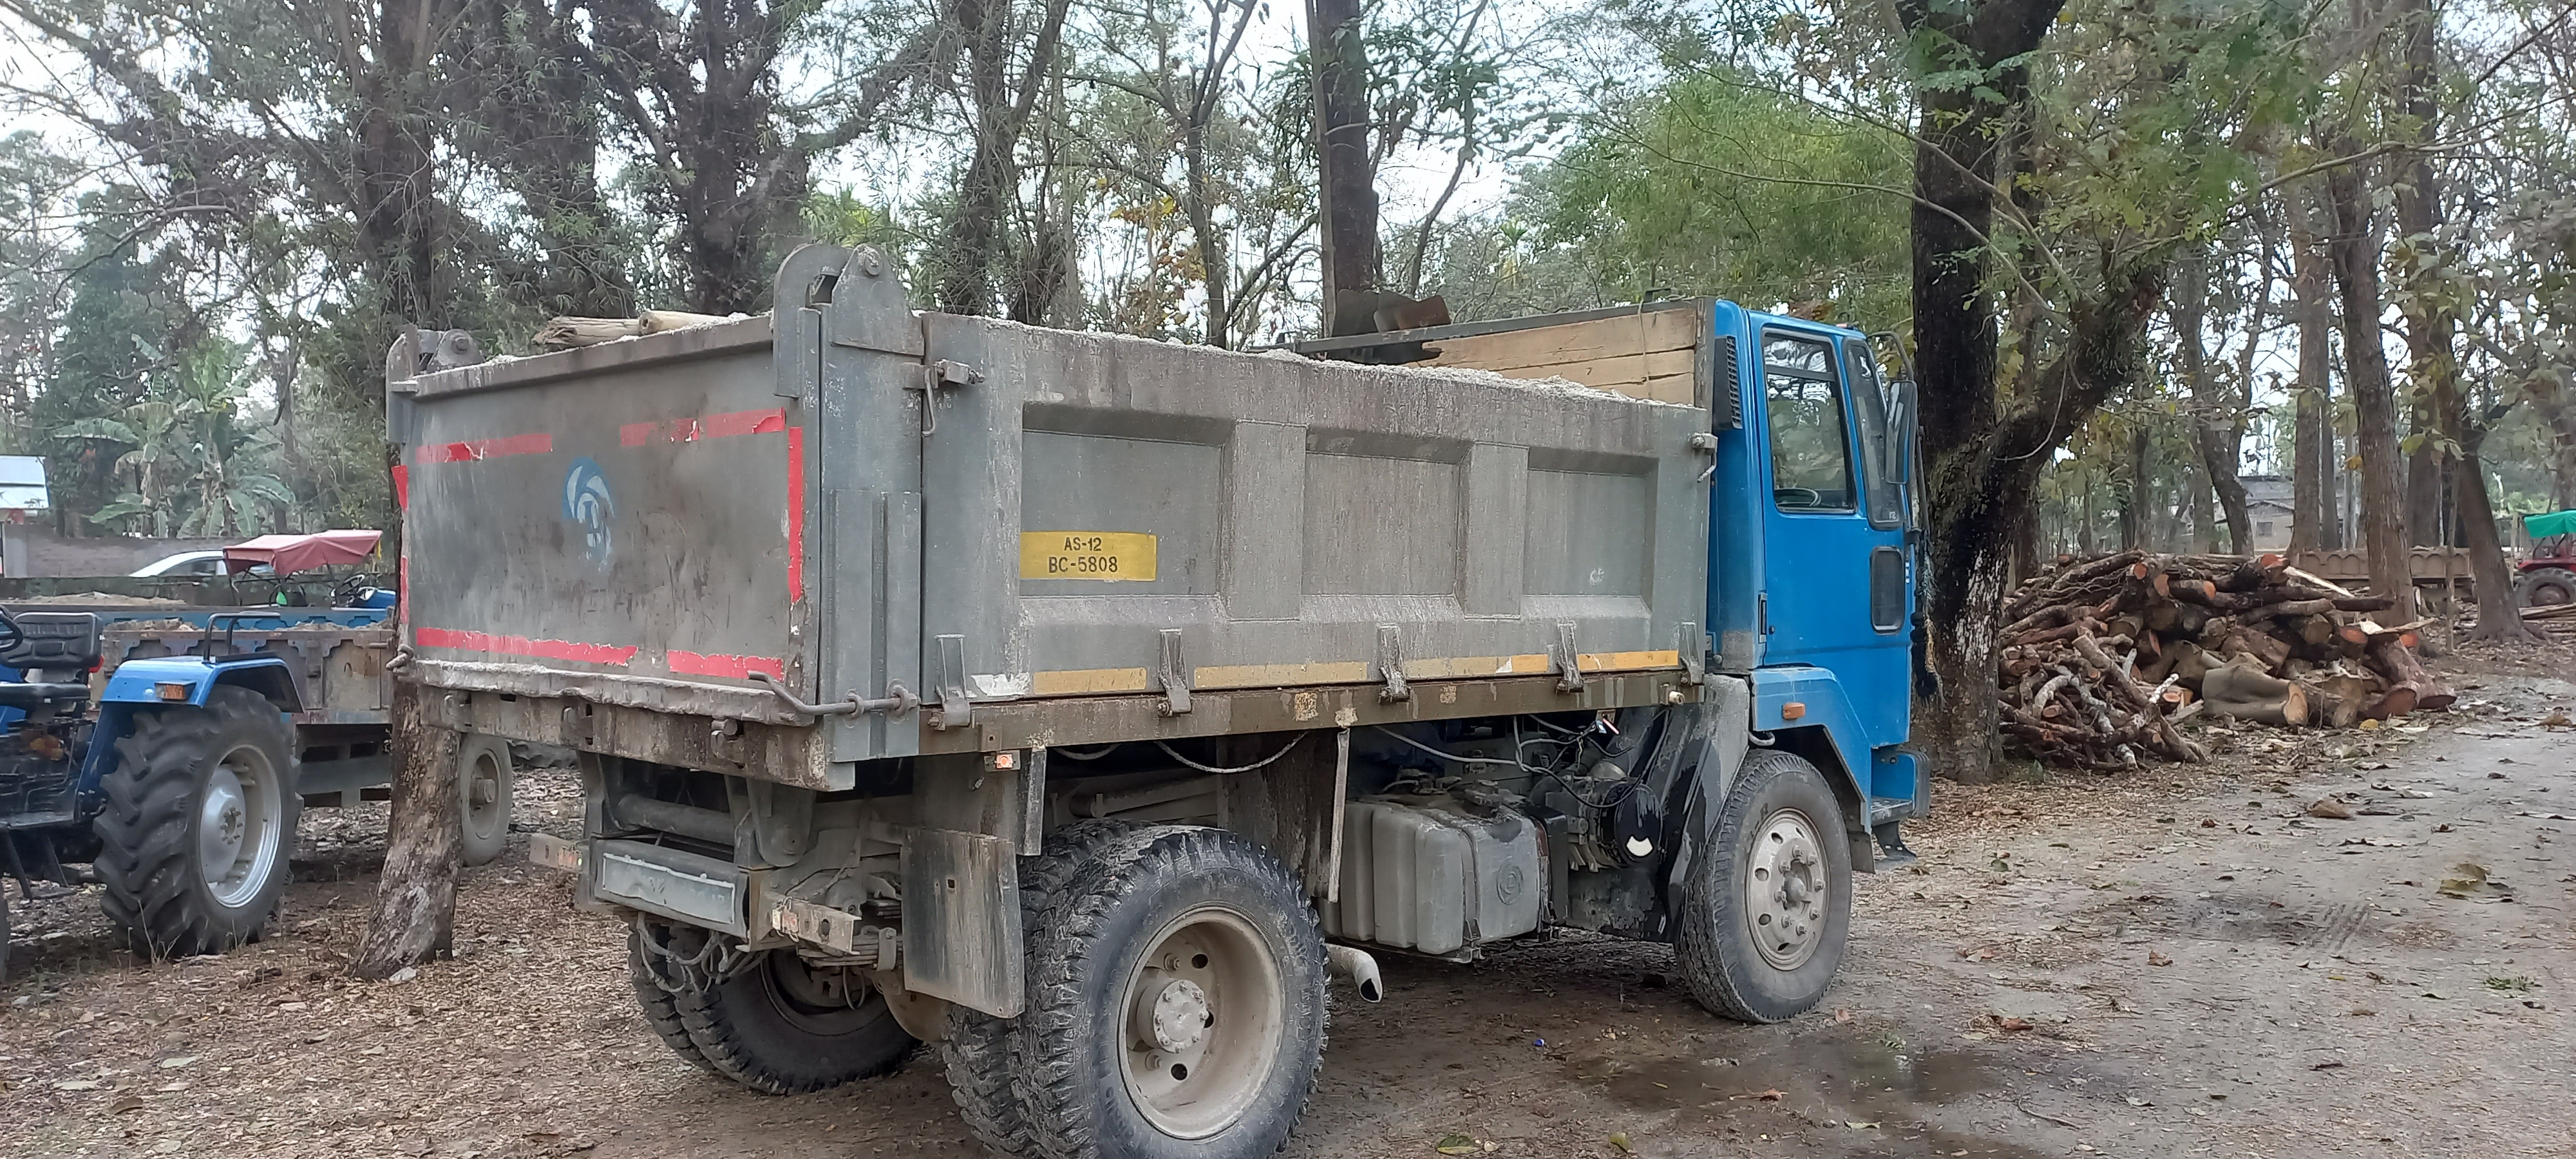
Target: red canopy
(293,553)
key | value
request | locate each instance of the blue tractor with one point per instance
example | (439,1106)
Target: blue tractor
(172,748)
(177,784)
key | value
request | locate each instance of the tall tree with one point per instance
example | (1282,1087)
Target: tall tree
(2315,516)
(1346,192)
(2355,252)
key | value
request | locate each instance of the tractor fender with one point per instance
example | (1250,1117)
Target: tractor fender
(169,680)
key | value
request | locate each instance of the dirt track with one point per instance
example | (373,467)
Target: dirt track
(2178,962)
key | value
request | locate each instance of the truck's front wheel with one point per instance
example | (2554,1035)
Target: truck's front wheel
(1766,914)
(1176,1003)
(199,824)
(783,1026)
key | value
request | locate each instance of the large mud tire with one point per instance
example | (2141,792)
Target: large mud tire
(2544,587)
(661,1011)
(195,842)
(1203,941)
(483,781)
(1748,948)
(781,1027)
(982,1073)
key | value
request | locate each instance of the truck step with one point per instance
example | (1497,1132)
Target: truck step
(1885,809)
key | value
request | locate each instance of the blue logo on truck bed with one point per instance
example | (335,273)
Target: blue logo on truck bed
(586,501)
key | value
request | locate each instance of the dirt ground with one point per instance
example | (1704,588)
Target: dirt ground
(2181,961)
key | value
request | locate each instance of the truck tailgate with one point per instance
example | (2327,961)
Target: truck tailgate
(633,509)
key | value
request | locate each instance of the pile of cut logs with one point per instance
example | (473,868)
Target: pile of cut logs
(2101,659)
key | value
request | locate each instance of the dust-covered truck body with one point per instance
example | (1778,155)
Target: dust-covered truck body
(1059,696)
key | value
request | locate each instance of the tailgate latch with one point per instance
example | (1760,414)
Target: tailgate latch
(946,373)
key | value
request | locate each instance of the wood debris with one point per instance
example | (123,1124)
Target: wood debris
(2101,659)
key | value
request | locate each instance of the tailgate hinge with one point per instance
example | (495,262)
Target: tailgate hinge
(948,681)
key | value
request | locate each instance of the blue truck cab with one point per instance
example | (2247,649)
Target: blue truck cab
(1811,561)
(1812,526)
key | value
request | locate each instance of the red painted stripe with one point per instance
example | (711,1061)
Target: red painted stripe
(795,515)
(522,646)
(402,485)
(715,426)
(746,422)
(734,667)
(538,443)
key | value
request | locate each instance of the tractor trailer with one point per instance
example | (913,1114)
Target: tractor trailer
(1084,704)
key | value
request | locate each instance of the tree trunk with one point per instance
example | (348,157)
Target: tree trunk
(2215,427)
(2355,251)
(1976,492)
(415,915)
(1346,193)
(2312,456)
(2133,496)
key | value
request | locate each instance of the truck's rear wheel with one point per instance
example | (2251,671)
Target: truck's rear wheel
(977,1051)
(199,824)
(1176,1003)
(1766,914)
(647,945)
(2544,587)
(782,1026)
(483,776)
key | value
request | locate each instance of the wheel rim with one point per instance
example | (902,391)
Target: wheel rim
(1200,1023)
(239,826)
(824,1001)
(2550,594)
(483,792)
(1786,890)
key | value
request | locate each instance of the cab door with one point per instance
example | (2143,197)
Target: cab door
(1836,584)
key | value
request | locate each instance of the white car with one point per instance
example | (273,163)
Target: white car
(196,563)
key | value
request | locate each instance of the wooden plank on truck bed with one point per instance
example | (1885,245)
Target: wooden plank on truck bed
(1573,341)
(1652,355)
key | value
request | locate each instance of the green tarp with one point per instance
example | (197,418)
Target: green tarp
(2556,523)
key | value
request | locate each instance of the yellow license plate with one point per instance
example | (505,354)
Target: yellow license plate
(1086,555)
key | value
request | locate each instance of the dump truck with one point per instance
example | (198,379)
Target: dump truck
(1084,704)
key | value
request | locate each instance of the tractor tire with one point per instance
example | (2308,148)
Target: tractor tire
(661,1011)
(200,824)
(2543,587)
(483,780)
(977,1051)
(1176,1003)
(782,1027)
(1766,914)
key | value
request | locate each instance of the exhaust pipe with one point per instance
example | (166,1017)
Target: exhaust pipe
(1356,965)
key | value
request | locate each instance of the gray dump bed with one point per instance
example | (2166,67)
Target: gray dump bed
(994,516)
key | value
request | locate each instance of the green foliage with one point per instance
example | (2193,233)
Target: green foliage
(1718,184)
(192,464)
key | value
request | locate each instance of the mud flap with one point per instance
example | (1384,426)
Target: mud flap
(961,920)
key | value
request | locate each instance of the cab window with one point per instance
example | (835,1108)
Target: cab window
(1811,467)
(1878,455)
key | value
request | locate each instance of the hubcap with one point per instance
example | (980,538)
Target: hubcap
(238,827)
(483,790)
(1204,1014)
(1785,890)
(825,1001)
